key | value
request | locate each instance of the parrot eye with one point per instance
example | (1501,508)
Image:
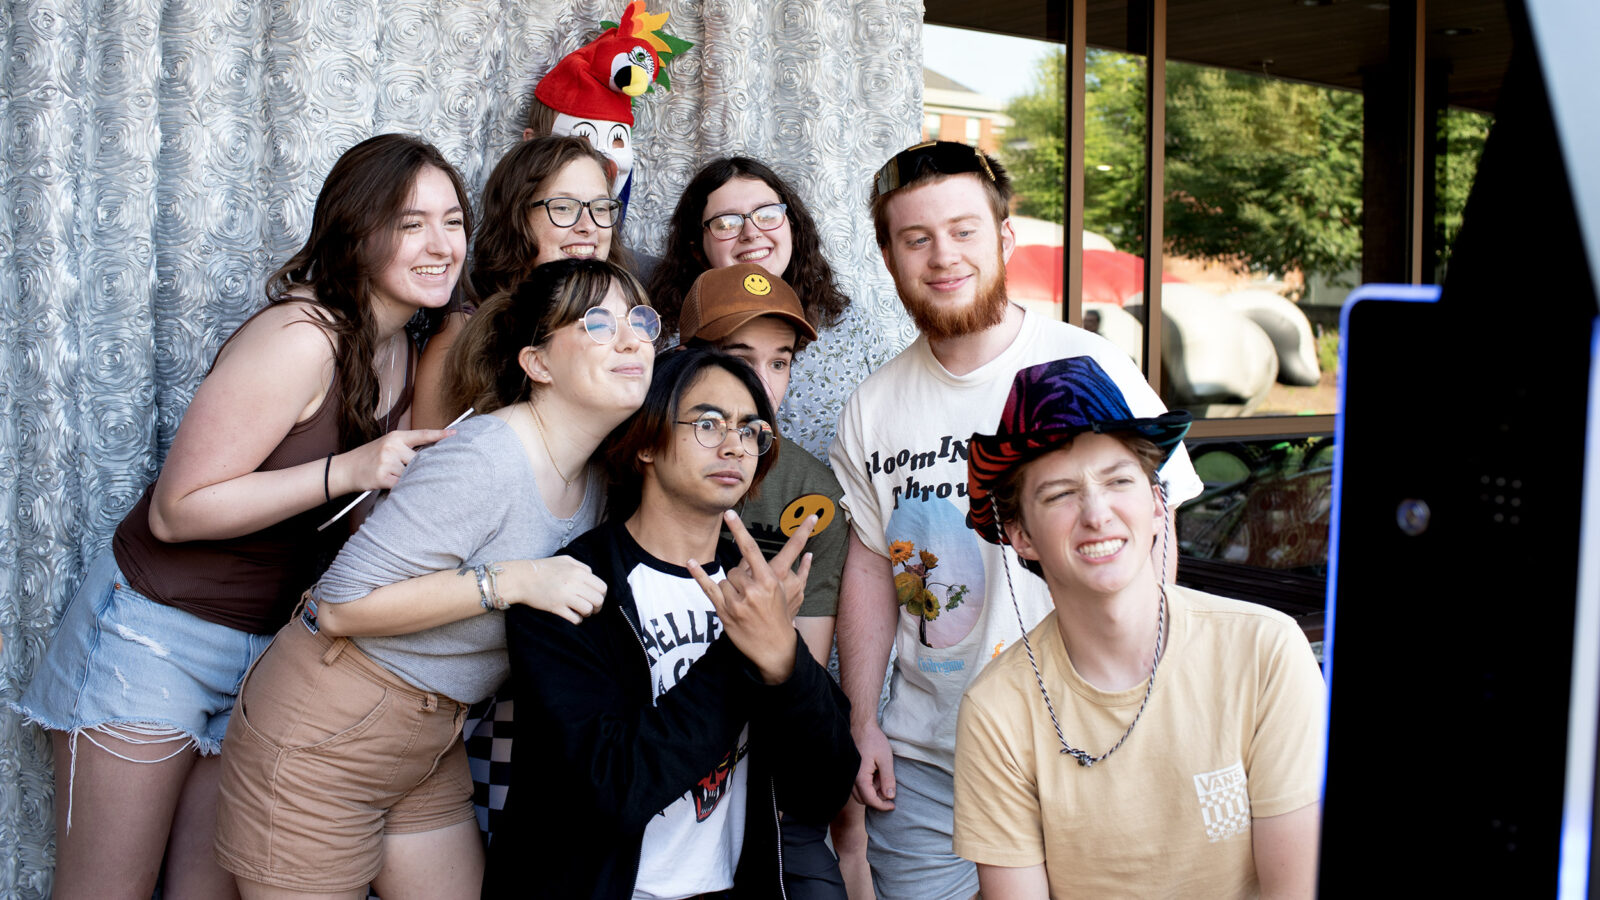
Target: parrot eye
(640,58)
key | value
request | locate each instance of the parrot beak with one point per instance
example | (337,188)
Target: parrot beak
(632,80)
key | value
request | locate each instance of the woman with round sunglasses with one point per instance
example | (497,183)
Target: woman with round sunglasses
(548,199)
(349,767)
(737,210)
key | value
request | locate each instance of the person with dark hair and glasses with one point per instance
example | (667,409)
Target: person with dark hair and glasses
(747,312)
(1145,739)
(738,210)
(668,729)
(914,576)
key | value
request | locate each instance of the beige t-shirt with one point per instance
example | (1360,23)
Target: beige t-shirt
(1233,731)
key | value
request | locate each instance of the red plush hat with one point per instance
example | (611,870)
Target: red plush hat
(600,79)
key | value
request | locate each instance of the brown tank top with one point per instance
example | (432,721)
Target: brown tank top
(251,583)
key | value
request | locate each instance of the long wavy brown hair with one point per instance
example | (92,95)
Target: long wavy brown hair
(808,273)
(354,233)
(506,249)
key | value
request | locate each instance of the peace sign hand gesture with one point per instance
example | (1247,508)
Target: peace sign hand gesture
(758,599)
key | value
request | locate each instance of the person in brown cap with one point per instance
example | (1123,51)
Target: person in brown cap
(747,312)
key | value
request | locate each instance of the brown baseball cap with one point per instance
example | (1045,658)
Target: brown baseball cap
(721,300)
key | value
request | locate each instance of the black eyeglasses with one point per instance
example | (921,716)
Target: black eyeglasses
(564,211)
(728,225)
(600,324)
(711,430)
(944,157)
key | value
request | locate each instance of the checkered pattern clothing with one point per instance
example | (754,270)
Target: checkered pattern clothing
(488,736)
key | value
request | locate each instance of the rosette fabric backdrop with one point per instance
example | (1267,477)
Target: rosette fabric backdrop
(159,157)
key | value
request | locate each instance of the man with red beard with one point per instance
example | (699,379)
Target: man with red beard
(915,576)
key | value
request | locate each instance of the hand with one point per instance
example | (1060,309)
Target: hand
(377,465)
(560,585)
(875,780)
(756,601)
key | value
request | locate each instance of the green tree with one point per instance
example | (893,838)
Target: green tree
(1258,170)
(1035,150)
(1461,134)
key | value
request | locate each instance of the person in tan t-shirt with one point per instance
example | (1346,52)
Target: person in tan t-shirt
(1145,739)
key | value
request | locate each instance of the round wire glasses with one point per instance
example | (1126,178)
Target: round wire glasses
(711,430)
(601,324)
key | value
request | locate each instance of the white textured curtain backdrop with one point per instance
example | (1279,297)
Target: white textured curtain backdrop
(159,157)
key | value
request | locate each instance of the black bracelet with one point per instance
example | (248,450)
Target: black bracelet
(327,468)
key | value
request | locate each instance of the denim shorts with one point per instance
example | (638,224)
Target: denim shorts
(120,658)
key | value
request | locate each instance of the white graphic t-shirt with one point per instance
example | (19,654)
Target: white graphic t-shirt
(901,457)
(691,847)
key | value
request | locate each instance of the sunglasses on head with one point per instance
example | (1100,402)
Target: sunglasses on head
(600,324)
(943,157)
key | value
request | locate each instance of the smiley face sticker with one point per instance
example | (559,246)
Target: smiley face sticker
(760,286)
(796,512)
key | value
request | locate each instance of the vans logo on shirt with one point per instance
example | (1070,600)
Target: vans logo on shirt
(1224,802)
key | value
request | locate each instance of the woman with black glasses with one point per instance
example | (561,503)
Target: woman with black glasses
(737,210)
(548,199)
(346,764)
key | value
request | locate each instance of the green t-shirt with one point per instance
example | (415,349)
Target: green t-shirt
(799,485)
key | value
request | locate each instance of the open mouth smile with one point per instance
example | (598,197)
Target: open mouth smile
(1101,549)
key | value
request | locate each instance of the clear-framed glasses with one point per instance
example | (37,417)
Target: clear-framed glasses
(728,225)
(564,211)
(711,430)
(601,324)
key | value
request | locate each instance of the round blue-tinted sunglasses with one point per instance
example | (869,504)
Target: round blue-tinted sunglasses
(601,324)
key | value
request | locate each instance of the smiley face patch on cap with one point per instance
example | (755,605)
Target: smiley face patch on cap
(758,285)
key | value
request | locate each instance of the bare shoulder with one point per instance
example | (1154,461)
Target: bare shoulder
(292,332)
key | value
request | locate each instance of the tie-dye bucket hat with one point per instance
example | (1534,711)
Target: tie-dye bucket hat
(1051,403)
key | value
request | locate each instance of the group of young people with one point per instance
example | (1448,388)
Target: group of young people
(261,687)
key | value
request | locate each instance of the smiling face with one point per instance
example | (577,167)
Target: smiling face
(947,255)
(430,245)
(770,250)
(606,381)
(767,343)
(1088,516)
(580,179)
(690,476)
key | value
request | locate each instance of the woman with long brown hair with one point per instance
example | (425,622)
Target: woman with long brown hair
(305,405)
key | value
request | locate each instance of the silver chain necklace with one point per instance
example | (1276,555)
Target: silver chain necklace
(1082,756)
